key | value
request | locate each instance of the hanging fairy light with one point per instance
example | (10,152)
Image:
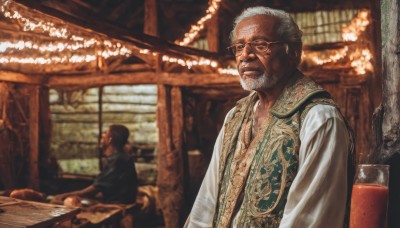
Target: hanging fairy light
(73,43)
(50,47)
(213,7)
(67,41)
(93,48)
(329,56)
(189,63)
(357,25)
(361,61)
(228,71)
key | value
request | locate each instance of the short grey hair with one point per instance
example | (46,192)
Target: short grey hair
(288,30)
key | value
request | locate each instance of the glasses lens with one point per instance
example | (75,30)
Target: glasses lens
(260,46)
(239,48)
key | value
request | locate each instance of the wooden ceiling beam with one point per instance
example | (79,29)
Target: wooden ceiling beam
(150,18)
(173,79)
(198,80)
(8,76)
(102,80)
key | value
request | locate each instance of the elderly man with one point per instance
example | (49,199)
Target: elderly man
(281,158)
(118,181)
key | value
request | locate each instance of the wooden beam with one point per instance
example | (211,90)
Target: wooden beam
(133,68)
(101,79)
(173,79)
(8,76)
(374,35)
(150,18)
(213,33)
(197,79)
(34,138)
(100,125)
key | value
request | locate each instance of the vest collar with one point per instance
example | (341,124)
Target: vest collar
(296,92)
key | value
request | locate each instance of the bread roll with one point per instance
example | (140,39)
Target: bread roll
(27,194)
(72,201)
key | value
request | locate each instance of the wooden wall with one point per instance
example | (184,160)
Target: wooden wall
(75,116)
(17,146)
(351,93)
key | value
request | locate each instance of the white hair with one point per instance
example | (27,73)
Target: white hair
(288,30)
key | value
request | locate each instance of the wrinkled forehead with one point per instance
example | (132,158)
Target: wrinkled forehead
(265,26)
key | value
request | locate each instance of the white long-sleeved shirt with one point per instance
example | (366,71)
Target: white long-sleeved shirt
(317,196)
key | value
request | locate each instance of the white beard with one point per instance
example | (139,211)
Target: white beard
(250,84)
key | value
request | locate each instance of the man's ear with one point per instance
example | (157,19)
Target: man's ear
(109,140)
(293,52)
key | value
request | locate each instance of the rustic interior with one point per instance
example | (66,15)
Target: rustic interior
(128,61)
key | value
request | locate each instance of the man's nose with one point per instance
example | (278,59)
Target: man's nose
(247,53)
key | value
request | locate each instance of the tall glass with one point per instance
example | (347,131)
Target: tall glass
(369,198)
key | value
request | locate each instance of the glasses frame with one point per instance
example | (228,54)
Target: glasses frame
(251,43)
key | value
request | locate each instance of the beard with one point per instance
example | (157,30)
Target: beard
(261,83)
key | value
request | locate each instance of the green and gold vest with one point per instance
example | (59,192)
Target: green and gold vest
(256,172)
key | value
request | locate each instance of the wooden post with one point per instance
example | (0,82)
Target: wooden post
(150,18)
(170,178)
(386,122)
(44,129)
(100,125)
(375,83)
(34,138)
(213,33)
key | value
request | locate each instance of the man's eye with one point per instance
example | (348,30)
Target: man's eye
(260,45)
(239,47)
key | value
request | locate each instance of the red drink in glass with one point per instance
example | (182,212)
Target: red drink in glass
(368,206)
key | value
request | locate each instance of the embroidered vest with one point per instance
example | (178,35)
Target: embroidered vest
(255,176)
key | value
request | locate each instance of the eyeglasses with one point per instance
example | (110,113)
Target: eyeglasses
(257,46)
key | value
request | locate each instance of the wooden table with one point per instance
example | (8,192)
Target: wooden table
(22,213)
(107,215)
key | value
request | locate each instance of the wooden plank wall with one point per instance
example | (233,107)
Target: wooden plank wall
(16,137)
(75,122)
(351,94)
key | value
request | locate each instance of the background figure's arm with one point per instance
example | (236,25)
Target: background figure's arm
(89,191)
(203,209)
(317,197)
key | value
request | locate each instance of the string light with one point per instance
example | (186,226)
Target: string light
(330,56)
(229,71)
(67,41)
(361,61)
(73,43)
(189,63)
(213,7)
(357,25)
(105,48)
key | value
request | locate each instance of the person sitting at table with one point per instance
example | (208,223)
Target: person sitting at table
(118,181)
